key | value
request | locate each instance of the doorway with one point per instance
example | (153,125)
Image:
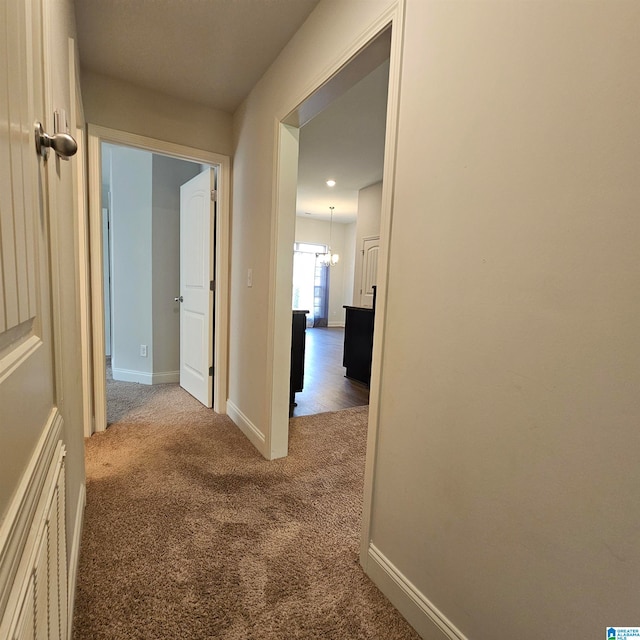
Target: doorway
(140,144)
(339,200)
(381,41)
(141,248)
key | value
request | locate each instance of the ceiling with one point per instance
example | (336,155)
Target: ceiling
(213,52)
(207,51)
(345,143)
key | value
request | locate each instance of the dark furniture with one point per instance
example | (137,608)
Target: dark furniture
(298,335)
(358,343)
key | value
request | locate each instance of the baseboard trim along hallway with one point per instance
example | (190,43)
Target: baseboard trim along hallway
(419,611)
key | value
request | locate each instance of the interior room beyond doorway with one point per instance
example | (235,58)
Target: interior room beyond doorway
(325,386)
(141,251)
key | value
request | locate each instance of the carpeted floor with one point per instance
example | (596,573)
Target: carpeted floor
(191,534)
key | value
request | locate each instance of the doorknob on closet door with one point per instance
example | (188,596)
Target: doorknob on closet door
(180,299)
(62,143)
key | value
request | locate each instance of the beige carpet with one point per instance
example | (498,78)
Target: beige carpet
(191,534)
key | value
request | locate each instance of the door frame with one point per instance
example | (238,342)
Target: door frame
(96,136)
(287,126)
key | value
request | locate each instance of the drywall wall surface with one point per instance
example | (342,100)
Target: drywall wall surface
(168,174)
(132,284)
(367,225)
(507,481)
(120,105)
(317,231)
(349,262)
(302,65)
(369,207)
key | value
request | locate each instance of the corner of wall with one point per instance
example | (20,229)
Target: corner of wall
(256,437)
(419,611)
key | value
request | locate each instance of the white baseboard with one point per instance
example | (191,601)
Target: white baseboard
(74,558)
(256,437)
(142,377)
(339,323)
(165,376)
(421,614)
(129,375)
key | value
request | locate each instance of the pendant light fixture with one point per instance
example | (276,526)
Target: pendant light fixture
(328,258)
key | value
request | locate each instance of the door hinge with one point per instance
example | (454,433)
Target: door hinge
(211,371)
(212,285)
(362,251)
(214,195)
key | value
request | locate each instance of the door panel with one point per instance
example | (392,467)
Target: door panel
(196,273)
(26,361)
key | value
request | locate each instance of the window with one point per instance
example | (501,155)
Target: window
(311,283)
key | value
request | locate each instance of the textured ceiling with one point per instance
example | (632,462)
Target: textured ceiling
(213,52)
(207,51)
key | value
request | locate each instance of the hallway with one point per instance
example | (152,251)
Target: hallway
(189,533)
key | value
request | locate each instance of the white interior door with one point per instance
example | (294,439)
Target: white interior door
(370,250)
(27,388)
(197,214)
(106,269)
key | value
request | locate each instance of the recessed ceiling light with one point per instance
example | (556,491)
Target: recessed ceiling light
(331,183)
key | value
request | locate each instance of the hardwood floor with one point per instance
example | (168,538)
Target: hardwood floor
(325,387)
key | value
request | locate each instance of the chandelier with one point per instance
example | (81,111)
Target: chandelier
(329,259)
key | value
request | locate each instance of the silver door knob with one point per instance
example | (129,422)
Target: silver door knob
(180,299)
(62,143)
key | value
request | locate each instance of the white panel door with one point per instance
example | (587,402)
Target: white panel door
(197,211)
(370,250)
(27,390)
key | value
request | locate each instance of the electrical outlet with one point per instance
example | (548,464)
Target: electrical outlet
(143,350)
(249,277)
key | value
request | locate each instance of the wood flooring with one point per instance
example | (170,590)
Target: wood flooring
(325,387)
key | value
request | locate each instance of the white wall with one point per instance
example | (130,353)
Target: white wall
(168,174)
(350,253)
(317,231)
(507,481)
(131,254)
(126,107)
(367,224)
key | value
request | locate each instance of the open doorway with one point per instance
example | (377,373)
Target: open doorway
(156,255)
(140,238)
(338,205)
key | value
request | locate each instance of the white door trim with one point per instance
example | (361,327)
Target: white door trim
(388,185)
(279,331)
(97,135)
